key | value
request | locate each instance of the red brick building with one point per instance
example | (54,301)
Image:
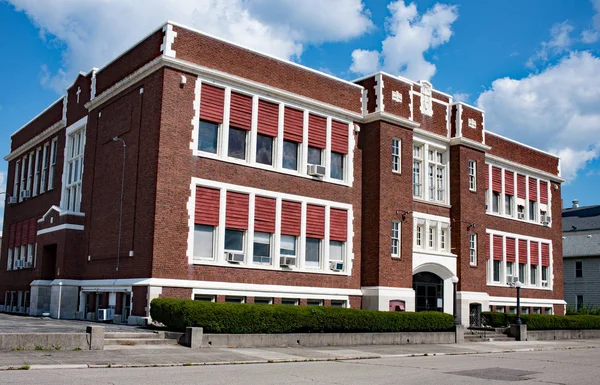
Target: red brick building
(191,167)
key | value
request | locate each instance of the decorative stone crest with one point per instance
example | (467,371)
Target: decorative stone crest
(397,96)
(426,98)
(472,123)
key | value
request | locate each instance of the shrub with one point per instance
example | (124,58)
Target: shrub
(177,314)
(544,321)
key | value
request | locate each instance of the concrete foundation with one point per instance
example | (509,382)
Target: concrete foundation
(550,335)
(519,332)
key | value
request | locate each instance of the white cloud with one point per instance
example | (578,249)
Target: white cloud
(461,97)
(557,110)
(560,41)
(409,36)
(589,36)
(95,31)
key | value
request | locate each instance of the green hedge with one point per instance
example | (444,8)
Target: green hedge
(177,314)
(543,321)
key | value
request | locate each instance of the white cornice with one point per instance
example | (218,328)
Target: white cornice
(431,135)
(385,116)
(493,159)
(35,140)
(469,143)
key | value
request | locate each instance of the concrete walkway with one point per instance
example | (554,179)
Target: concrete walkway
(139,356)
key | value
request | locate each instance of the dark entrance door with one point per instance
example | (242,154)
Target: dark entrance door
(49,262)
(429,292)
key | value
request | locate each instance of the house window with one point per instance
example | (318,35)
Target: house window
(36,177)
(313,252)
(234,299)
(314,302)
(53,154)
(74,169)
(532,210)
(495,201)
(23,175)
(234,241)
(337,166)
(436,175)
(533,275)
(523,273)
(417,170)
(432,236)
(44,168)
(443,240)
(16,183)
(262,248)
(204,298)
(395,239)
(263,301)
(472,175)
(208,134)
(237,143)
(336,251)
(579,269)
(496,271)
(339,303)
(419,236)
(508,205)
(395,155)
(473,249)
(579,302)
(203,241)
(510,269)
(290,155)
(287,246)
(264,149)
(289,301)
(314,155)
(544,276)
(30,171)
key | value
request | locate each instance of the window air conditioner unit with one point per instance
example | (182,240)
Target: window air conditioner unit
(19,264)
(287,261)
(316,170)
(521,215)
(12,200)
(25,194)
(511,280)
(105,314)
(234,258)
(336,266)
(545,219)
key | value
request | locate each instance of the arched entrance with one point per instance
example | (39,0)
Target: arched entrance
(429,292)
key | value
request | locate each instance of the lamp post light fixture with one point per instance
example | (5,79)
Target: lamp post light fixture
(117,139)
(454,281)
(518,286)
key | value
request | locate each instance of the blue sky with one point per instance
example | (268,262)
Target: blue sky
(533,65)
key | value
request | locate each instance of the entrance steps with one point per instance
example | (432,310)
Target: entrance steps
(135,339)
(475,334)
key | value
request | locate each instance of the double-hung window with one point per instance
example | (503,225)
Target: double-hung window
(396,155)
(472,175)
(16,182)
(496,268)
(443,239)
(237,143)
(203,241)
(417,174)
(508,205)
(36,177)
(532,210)
(432,239)
(264,149)
(287,246)
(579,269)
(208,135)
(544,276)
(74,168)
(495,201)
(336,251)
(262,248)
(533,276)
(473,249)
(523,273)
(313,252)
(315,156)
(337,165)
(440,177)
(395,239)
(53,155)
(45,159)
(234,241)
(419,236)
(290,155)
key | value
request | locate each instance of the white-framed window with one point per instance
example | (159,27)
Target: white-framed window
(532,210)
(290,301)
(53,154)
(234,241)
(396,162)
(205,298)
(313,253)
(496,270)
(544,276)
(74,169)
(314,302)
(337,165)
(43,179)
(30,249)
(495,202)
(290,155)
(395,239)
(234,299)
(237,143)
(208,136)
(264,149)
(432,236)
(443,239)
(204,239)
(16,181)
(30,171)
(510,271)
(315,155)
(9,260)
(23,176)
(472,175)
(36,177)
(339,303)
(287,246)
(417,175)
(263,301)
(262,248)
(523,273)
(473,249)
(419,236)
(533,275)
(508,205)
(336,251)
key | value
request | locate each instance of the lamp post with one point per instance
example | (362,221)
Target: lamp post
(454,281)
(117,139)
(518,286)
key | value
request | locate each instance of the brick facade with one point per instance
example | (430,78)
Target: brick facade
(149,98)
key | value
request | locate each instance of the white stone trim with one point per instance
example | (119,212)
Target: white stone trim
(385,116)
(520,168)
(65,226)
(168,39)
(469,143)
(459,120)
(35,141)
(531,302)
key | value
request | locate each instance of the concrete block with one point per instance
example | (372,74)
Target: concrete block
(459,332)
(519,332)
(95,337)
(194,337)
